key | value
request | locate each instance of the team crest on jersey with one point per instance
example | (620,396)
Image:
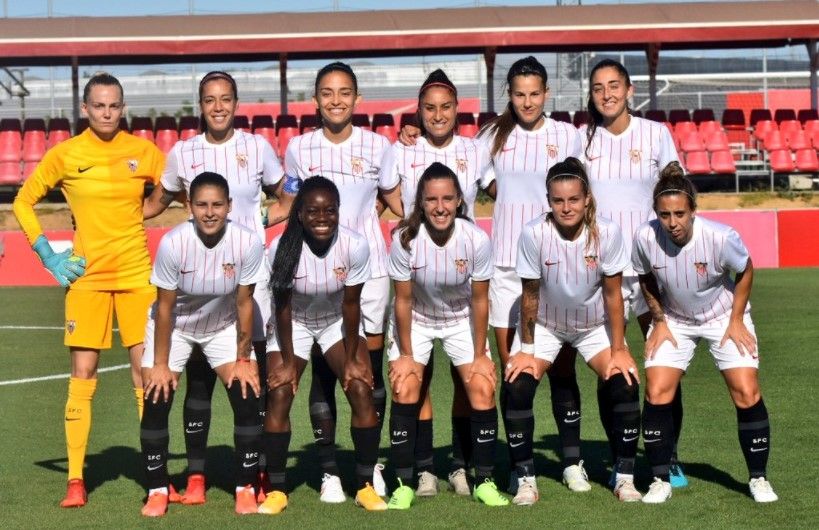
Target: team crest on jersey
(635,155)
(341,274)
(241,159)
(133,164)
(460,265)
(229,269)
(551,150)
(591,262)
(70,326)
(701,267)
(357,165)
(460,163)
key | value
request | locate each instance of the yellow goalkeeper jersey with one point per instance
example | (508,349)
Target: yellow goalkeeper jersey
(103,183)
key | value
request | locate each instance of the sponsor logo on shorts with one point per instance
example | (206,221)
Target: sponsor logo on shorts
(591,262)
(133,164)
(635,155)
(241,159)
(70,326)
(460,265)
(229,269)
(701,267)
(460,164)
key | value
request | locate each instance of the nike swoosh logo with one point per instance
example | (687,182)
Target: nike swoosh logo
(313,168)
(83,169)
(393,442)
(550,263)
(416,268)
(413,166)
(574,420)
(487,440)
(645,441)
(71,419)
(658,267)
(299,277)
(254,463)
(193,431)
(506,149)
(194,166)
(755,450)
(185,272)
(516,444)
(629,439)
(593,157)
(154,468)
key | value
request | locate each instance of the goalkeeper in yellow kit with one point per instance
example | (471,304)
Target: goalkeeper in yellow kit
(102,173)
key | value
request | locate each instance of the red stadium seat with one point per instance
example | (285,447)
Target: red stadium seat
(696,163)
(758,115)
(692,142)
(810,126)
(784,115)
(11,124)
(362,120)
(762,128)
(806,160)
(307,123)
(57,136)
(188,127)
(580,118)
(656,115)
(187,134)
(677,115)
(34,146)
(269,134)
(774,141)
(144,133)
(466,124)
(814,136)
(241,122)
(81,125)
(561,115)
(798,140)
(384,124)
(781,161)
(408,118)
(485,117)
(262,121)
(166,138)
(9,173)
(733,119)
(10,146)
(287,127)
(682,128)
(28,169)
(717,141)
(142,127)
(701,115)
(805,115)
(636,113)
(722,162)
(707,128)
(787,127)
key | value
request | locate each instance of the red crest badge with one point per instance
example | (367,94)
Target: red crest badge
(341,274)
(591,262)
(460,163)
(357,165)
(701,267)
(551,150)
(70,326)
(635,155)
(229,270)
(132,165)
(460,265)
(241,158)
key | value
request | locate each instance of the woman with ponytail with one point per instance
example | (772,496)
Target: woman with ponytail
(469,160)
(319,269)
(570,262)
(684,263)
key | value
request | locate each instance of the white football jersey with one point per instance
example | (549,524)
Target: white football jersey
(467,158)
(694,280)
(319,281)
(354,166)
(571,276)
(623,170)
(247,161)
(206,279)
(520,172)
(441,276)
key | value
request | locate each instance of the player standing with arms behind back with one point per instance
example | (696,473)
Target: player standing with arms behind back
(684,263)
(102,172)
(351,158)
(250,166)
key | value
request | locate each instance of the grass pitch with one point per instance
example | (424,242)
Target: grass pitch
(32,452)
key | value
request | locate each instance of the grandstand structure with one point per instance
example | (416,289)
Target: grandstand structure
(273,99)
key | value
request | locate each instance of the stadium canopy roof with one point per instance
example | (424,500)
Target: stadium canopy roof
(209,38)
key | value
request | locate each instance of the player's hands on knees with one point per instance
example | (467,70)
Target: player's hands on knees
(659,334)
(524,362)
(356,369)
(744,339)
(482,366)
(159,383)
(401,369)
(408,134)
(247,374)
(622,361)
(284,374)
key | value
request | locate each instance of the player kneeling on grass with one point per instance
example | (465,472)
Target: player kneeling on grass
(204,274)
(319,269)
(684,264)
(570,263)
(440,263)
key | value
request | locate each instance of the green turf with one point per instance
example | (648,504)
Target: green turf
(32,461)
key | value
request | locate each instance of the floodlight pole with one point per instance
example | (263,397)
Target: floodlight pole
(653,58)
(283,83)
(813,55)
(489,59)
(75,89)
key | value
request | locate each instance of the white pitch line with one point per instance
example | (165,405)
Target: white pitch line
(38,327)
(59,376)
